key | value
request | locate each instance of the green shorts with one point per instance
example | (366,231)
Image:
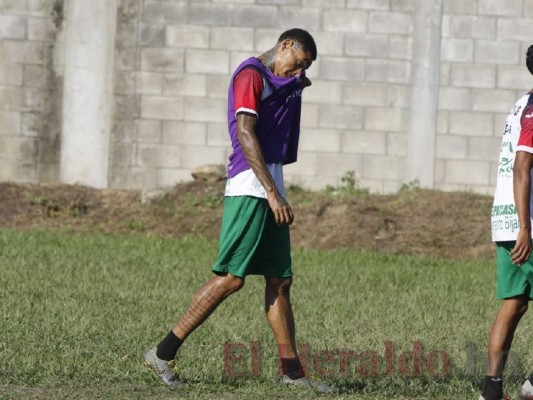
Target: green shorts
(512,279)
(250,241)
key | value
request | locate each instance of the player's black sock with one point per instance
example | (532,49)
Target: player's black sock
(167,349)
(492,388)
(531,378)
(292,368)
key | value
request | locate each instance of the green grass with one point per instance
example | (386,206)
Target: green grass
(77,313)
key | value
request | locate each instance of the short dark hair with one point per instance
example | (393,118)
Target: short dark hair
(302,37)
(529,59)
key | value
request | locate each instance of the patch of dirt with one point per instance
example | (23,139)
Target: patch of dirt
(444,224)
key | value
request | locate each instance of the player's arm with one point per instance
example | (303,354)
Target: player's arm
(252,151)
(522,189)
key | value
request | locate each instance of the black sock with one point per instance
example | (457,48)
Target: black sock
(292,368)
(492,388)
(167,349)
(531,378)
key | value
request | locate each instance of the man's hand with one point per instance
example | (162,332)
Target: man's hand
(281,208)
(522,249)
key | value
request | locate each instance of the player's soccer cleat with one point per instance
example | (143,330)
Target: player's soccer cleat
(308,384)
(526,391)
(165,371)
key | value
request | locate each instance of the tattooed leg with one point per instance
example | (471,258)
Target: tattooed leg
(205,301)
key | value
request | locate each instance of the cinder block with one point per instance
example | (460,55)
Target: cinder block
(12,98)
(383,167)
(345,20)
(467,172)
(528,8)
(493,100)
(320,3)
(484,149)
(14,171)
(329,43)
(470,123)
(290,16)
(31,124)
(445,73)
(343,69)
(184,85)
(165,108)
(157,155)
(499,123)
(164,12)
(162,59)
(401,46)
(238,57)
(386,119)
(265,39)
(121,154)
(365,94)
(507,8)
(125,58)
(497,52)
(206,110)
(125,106)
(515,28)
(152,35)
(473,76)
(255,16)
(240,39)
(369,4)
(184,133)
(328,92)
(391,22)
(451,98)
(309,117)
(124,129)
(194,156)
(390,187)
(36,8)
(12,27)
(403,5)
(12,74)
(18,148)
(451,147)
(235,1)
(320,140)
(307,165)
(148,131)
(398,96)
(473,26)
(209,14)
(207,61)
(397,144)
(383,70)
(217,135)
(41,28)
(367,45)
(364,142)
(9,122)
(189,36)
(124,83)
(167,177)
(339,116)
(460,7)
(148,82)
(457,50)
(14,51)
(280,2)
(338,164)
(217,86)
(132,178)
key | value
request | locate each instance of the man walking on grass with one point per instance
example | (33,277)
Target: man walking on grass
(511,230)
(264,107)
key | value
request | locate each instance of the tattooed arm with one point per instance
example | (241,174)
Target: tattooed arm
(252,151)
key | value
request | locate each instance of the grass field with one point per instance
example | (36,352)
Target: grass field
(77,313)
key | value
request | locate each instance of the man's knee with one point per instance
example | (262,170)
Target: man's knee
(518,306)
(232,283)
(279,285)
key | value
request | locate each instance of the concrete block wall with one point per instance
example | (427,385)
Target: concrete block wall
(482,75)
(31,60)
(173,60)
